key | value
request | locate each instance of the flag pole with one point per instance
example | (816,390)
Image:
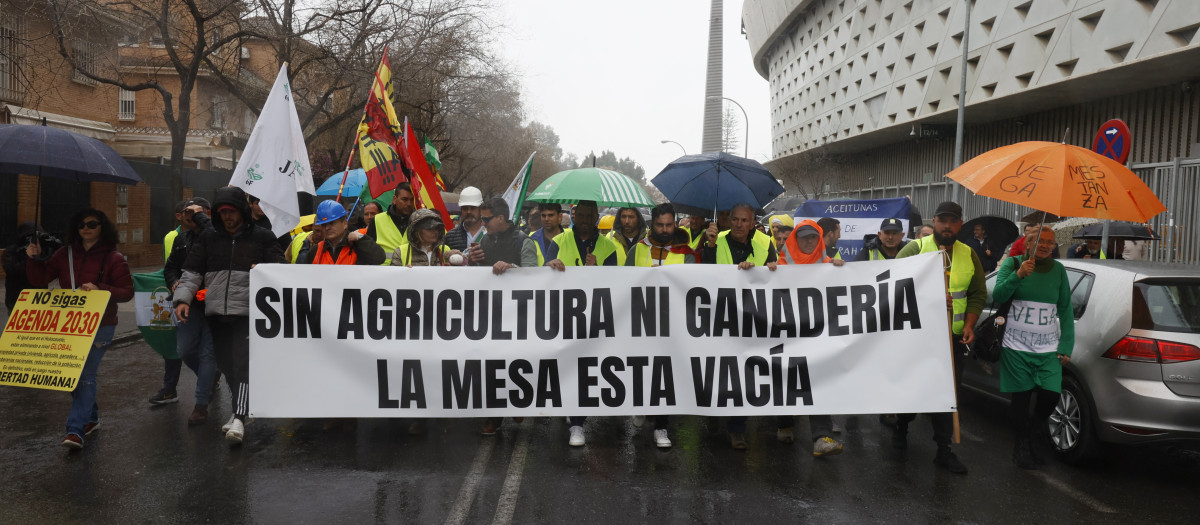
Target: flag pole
(358,132)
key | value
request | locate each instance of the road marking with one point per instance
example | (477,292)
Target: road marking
(462,504)
(1094,503)
(512,481)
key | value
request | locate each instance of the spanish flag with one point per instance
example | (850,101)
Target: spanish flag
(424,186)
(379,150)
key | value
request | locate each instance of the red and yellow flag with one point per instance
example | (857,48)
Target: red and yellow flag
(379,133)
(424,185)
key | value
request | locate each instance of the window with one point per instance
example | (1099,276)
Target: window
(84,53)
(126,105)
(12,30)
(1168,305)
(218,110)
(156,40)
(1081,290)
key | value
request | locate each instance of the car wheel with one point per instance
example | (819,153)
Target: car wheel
(1071,425)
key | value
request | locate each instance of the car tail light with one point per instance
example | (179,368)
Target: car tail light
(1177,352)
(1151,351)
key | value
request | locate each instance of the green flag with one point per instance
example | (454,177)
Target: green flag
(152,308)
(515,194)
(431,155)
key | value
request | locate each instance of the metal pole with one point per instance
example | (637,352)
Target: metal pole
(746,119)
(962,95)
(677,144)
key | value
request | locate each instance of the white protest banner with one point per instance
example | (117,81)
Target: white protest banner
(330,341)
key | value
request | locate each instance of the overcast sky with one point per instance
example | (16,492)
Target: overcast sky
(624,75)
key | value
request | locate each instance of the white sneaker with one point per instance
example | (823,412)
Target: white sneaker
(576,437)
(236,431)
(661,439)
(638,421)
(225,427)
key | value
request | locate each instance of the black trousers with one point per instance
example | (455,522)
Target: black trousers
(231,347)
(943,422)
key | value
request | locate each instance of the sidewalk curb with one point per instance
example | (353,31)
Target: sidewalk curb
(127,337)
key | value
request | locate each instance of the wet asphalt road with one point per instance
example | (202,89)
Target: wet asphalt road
(147,465)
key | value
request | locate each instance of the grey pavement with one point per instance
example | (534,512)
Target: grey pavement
(146,465)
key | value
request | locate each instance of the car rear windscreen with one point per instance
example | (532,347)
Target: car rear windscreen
(1172,306)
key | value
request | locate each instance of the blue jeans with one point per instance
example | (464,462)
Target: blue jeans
(193,340)
(83,399)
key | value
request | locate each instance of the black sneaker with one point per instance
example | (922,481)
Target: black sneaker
(163,397)
(947,460)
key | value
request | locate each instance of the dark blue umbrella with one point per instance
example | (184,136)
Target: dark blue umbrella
(53,152)
(716,182)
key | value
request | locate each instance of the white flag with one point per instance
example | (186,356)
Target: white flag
(274,165)
(515,194)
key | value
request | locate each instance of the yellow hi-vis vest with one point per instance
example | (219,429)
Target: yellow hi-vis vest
(696,239)
(641,256)
(759,241)
(961,271)
(297,244)
(568,253)
(169,243)
(618,246)
(406,254)
(388,236)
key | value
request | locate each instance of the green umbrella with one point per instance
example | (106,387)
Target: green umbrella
(606,187)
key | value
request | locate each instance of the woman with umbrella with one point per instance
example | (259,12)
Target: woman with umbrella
(1034,351)
(89,261)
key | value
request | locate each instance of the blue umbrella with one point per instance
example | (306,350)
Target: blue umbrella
(354,183)
(58,153)
(716,182)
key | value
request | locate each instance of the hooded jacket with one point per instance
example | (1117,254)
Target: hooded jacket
(220,261)
(406,253)
(618,236)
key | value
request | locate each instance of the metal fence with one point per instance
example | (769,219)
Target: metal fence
(1177,185)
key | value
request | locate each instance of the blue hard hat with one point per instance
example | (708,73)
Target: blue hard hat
(329,211)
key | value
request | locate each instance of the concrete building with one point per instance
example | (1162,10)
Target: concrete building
(864,93)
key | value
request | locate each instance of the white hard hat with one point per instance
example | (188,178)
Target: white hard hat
(470,196)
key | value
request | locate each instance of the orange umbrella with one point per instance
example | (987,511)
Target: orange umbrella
(1065,180)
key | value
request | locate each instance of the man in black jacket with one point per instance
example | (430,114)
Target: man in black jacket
(193,341)
(503,247)
(220,262)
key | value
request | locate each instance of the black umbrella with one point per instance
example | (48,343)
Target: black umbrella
(53,152)
(1124,230)
(1001,231)
(716,182)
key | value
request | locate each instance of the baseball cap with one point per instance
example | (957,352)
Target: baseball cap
(201,201)
(805,230)
(891,225)
(949,208)
(227,206)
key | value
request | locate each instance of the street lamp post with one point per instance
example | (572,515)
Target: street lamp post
(677,144)
(745,118)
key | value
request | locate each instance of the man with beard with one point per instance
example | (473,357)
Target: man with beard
(220,262)
(630,230)
(388,229)
(833,233)
(503,247)
(665,245)
(965,298)
(886,245)
(469,229)
(581,245)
